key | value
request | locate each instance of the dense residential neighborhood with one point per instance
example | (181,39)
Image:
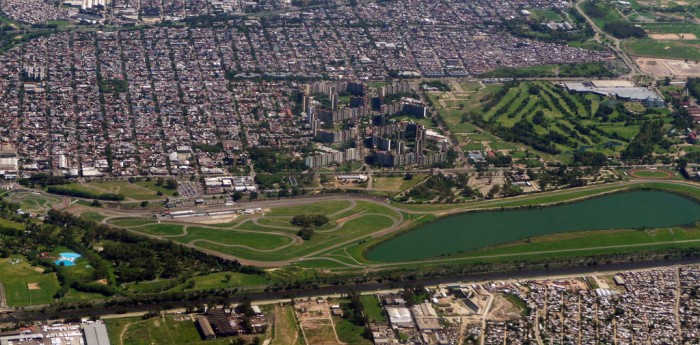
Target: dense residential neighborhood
(349,172)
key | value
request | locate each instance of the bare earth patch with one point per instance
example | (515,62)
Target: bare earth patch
(674,37)
(33,286)
(39,269)
(101,281)
(669,67)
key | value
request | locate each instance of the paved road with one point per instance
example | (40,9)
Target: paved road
(634,69)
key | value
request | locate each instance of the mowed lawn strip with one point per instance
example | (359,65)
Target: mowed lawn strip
(326,207)
(232,237)
(163,229)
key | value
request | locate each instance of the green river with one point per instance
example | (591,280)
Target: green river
(474,230)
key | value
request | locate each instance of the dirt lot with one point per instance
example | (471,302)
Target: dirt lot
(503,310)
(668,67)
(684,36)
(316,323)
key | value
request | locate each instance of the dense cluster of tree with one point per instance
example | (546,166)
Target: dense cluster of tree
(590,158)
(693,86)
(272,161)
(624,30)
(354,311)
(210,148)
(561,175)
(442,187)
(60,190)
(42,180)
(643,143)
(308,220)
(170,183)
(597,9)
(524,132)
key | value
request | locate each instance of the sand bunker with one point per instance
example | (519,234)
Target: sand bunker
(33,286)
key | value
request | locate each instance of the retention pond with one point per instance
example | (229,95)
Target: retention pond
(474,230)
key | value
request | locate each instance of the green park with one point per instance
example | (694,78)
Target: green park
(370,234)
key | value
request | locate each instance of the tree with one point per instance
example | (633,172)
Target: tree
(171,184)
(228,277)
(237,196)
(253,195)
(306,233)
(144,203)
(96,203)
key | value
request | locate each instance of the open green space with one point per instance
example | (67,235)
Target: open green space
(687,49)
(159,330)
(164,229)
(219,280)
(263,247)
(652,173)
(93,216)
(373,309)
(128,222)
(593,226)
(313,208)
(350,333)
(33,202)
(234,239)
(469,231)
(285,328)
(553,121)
(26,284)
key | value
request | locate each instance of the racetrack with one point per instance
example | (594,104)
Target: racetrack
(355,224)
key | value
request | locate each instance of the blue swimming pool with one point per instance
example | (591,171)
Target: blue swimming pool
(67,259)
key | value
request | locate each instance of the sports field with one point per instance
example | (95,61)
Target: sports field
(25,284)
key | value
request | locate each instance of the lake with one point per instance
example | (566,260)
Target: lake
(474,230)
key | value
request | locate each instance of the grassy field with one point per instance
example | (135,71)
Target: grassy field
(204,282)
(320,334)
(373,309)
(396,183)
(349,333)
(93,216)
(544,15)
(689,49)
(320,208)
(159,330)
(33,202)
(26,285)
(286,330)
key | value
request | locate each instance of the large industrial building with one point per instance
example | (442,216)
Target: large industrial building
(619,89)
